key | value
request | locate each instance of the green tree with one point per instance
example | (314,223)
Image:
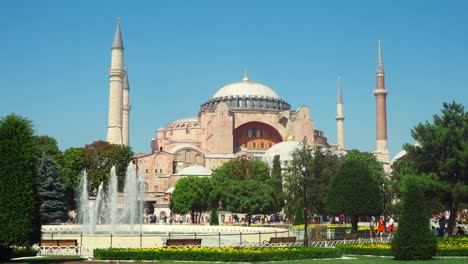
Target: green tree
(19,203)
(47,145)
(318,167)
(72,163)
(353,191)
(414,239)
(214,217)
(277,183)
(442,153)
(100,156)
(191,195)
(52,191)
(244,186)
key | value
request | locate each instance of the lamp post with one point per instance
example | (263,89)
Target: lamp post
(306,236)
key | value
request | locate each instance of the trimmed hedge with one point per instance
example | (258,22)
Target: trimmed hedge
(445,247)
(20,252)
(226,254)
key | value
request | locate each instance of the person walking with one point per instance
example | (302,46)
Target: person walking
(381,226)
(371,226)
(391,226)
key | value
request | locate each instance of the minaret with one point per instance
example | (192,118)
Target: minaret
(380,93)
(126,110)
(340,118)
(116,74)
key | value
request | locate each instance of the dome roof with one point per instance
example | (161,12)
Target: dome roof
(195,171)
(246,88)
(398,156)
(283,149)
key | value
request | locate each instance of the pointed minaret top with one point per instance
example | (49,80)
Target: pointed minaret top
(340,99)
(117,43)
(246,78)
(380,68)
(126,85)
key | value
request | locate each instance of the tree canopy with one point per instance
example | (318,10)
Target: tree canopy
(441,157)
(52,191)
(191,195)
(19,203)
(355,192)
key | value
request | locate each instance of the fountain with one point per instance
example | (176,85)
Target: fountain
(104,209)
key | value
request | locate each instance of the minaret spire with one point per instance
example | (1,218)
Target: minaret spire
(340,118)
(380,68)
(246,78)
(380,93)
(126,109)
(116,76)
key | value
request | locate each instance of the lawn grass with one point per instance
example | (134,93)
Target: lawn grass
(348,259)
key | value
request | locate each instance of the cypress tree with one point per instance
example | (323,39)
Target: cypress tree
(214,217)
(414,239)
(277,183)
(52,191)
(19,214)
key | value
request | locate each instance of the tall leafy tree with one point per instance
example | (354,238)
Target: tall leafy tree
(191,195)
(277,183)
(100,156)
(52,191)
(314,169)
(19,203)
(442,152)
(353,191)
(244,186)
(47,145)
(72,163)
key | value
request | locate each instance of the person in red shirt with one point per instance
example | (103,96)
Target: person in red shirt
(381,226)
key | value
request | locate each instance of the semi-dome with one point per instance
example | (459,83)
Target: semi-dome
(246,88)
(283,149)
(195,171)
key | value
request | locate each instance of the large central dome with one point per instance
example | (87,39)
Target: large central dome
(247,95)
(246,88)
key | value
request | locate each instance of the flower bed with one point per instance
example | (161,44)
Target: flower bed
(227,254)
(453,246)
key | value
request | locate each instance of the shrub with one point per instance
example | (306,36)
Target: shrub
(214,217)
(225,254)
(414,239)
(377,249)
(20,252)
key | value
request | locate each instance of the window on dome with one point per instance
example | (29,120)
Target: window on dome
(254,145)
(246,132)
(250,132)
(262,132)
(254,131)
(262,145)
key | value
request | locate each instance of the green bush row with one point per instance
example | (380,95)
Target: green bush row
(352,250)
(219,254)
(20,252)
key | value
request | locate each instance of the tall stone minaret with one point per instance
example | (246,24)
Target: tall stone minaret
(126,110)
(380,93)
(340,118)
(116,75)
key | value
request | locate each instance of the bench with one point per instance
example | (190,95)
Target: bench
(278,240)
(351,236)
(174,242)
(58,243)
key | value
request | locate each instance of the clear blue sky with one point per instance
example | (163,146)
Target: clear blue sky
(55,56)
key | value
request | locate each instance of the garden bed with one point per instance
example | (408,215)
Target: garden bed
(225,254)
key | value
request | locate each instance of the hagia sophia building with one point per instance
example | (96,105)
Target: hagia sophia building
(243,119)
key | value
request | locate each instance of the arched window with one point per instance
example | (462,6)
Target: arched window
(179,157)
(198,159)
(188,157)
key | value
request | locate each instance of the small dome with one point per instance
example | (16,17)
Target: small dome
(398,156)
(195,171)
(283,149)
(246,88)
(170,190)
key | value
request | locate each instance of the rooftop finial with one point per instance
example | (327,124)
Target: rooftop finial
(380,67)
(117,43)
(340,99)
(246,78)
